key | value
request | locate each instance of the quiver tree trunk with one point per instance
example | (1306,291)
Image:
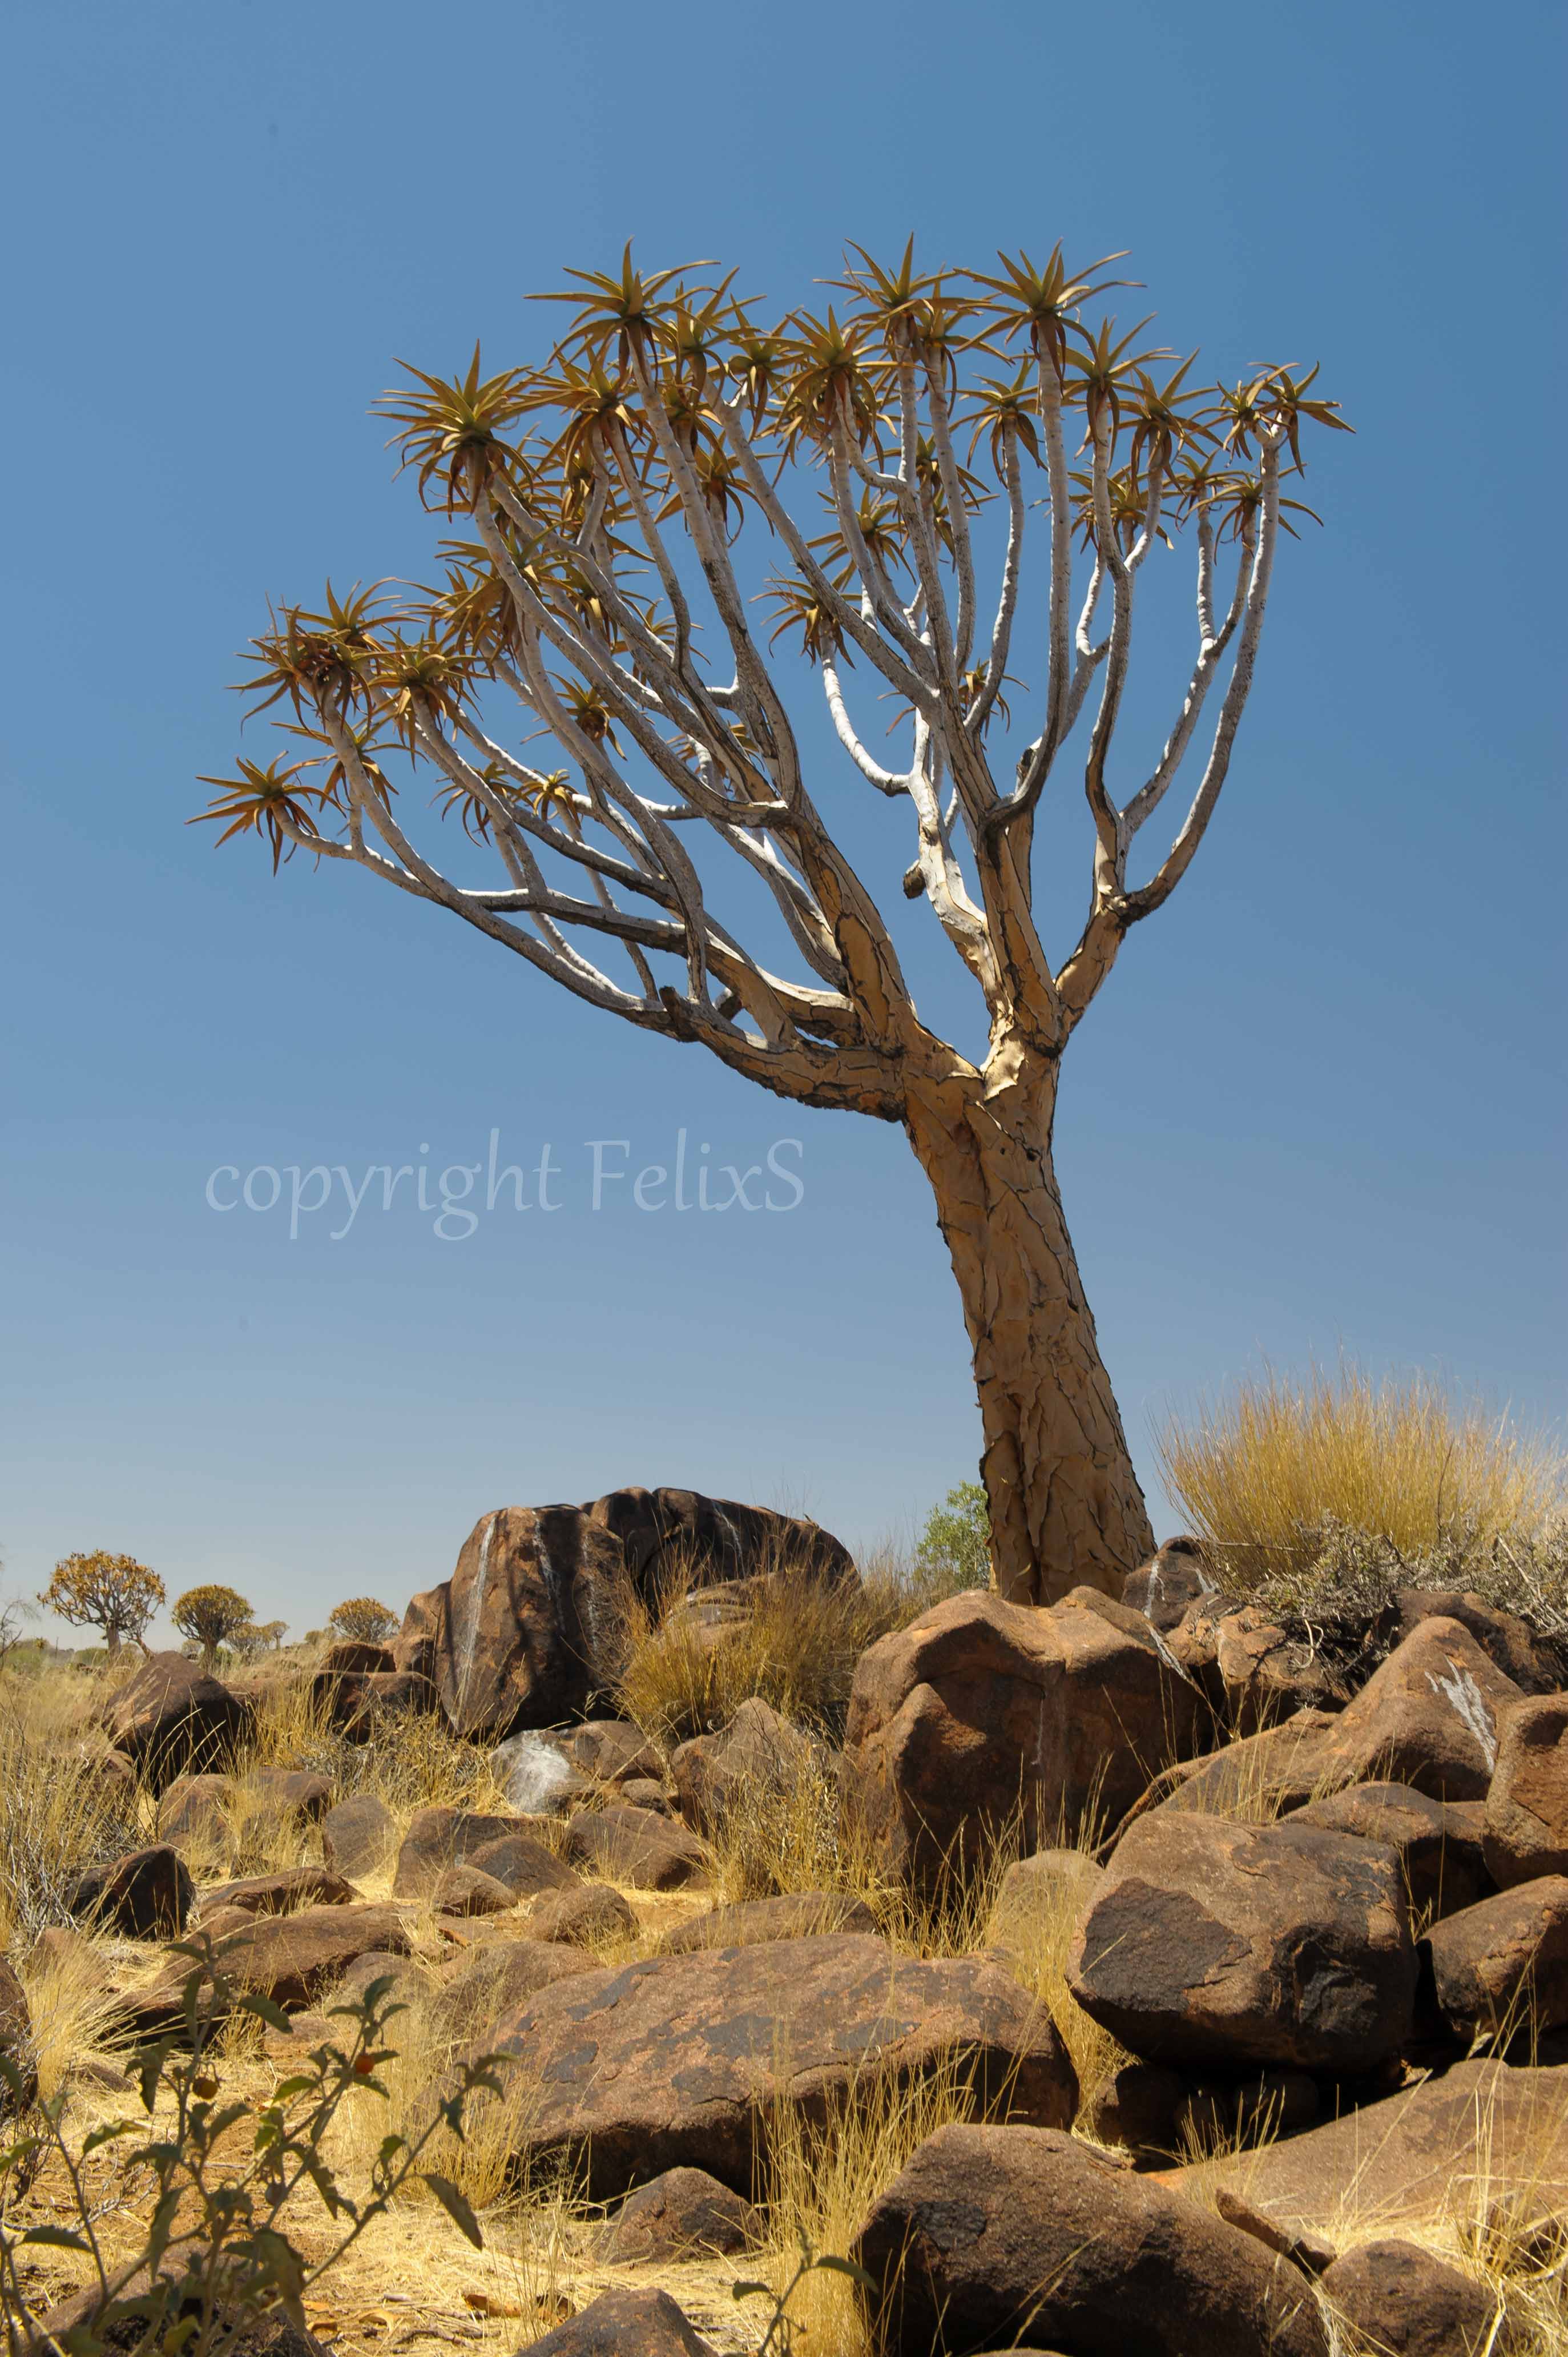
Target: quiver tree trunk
(1066,1507)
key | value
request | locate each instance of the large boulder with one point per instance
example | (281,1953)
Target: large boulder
(589,1916)
(679,2061)
(1530,1659)
(290,1958)
(171,1718)
(1405,2300)
(1428,1717)
(759,1753)
(1438,1843)
(982,1714)
(526,1628)
(280,1893)
(671,1537)
(1503,1964)
(1526,1831)
(1217,1943)
(147,1895)
(1165,1588)
(992,2234)
(1433,2150)
(413,1647)
(359,1704)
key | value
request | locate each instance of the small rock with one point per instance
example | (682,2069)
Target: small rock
(358,1835)
(1503,1964)
(642,1792)
(194,1813)
(1160,2114)
(360,1706)
(1530,1661)
(989,2233)
(625,2324)
(1054,1886)
(586,1914)
(1266,1674)
(683,2214)
(469,1890)
(1169,1584)
(758,1752)
(1403,2299)
(438,1838)
(277,1894)
(524,1864)
(146,1895)
(487,1985)
(611,1750)
(634,1846)
(295,1793)
(1526,1826)
(290,1958)
(1213,1943)
(796,1915)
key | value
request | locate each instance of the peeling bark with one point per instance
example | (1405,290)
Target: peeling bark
(1066,1507)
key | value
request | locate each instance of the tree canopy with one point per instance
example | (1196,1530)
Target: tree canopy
(100,1590)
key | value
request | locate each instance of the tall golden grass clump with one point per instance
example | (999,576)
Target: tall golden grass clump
(1262,1475)
(59,1810)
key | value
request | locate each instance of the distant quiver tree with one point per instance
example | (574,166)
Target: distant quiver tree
(99,1590)
(210,1616)
(606,579)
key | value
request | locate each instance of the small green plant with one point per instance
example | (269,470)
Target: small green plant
(218,2176)
(954,1549)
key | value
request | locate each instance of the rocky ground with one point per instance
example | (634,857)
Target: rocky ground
(1117,1976)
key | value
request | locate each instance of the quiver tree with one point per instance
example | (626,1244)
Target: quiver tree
(624,506)
(362,1620)
(111,1592)
(210,1616)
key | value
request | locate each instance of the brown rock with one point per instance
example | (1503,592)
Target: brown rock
(170,1718)
(757,1753)
(351,1659)
(796,1915)
(20,2083)
(642,1792)
(146,1895)
(277,1894)
(413,1647)
(290,1958)
(992,2231)
(680,1534)
(360,1706)
(610,1751)
(1222,1943)
(490,1983)
(1401,2299)
(522,1862)
(1436,1843)
(1530,1661)
(469,1890)
(1267,1675)
(683,2214)
(295,1793)
(1504,1963)
(625,2324)
(359,1834)
(1428,2151)
(193,1814)
(676,2060)
(1526,1830)
(1427,1718)
(635,1847)
(525,1628)
(439,1836)
(585,1915)
(1165,1588)
(981,1712)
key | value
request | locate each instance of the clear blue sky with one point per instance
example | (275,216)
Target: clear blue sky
(1319,1106)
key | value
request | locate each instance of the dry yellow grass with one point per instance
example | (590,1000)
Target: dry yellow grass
(57,1811)
(1261,1474)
